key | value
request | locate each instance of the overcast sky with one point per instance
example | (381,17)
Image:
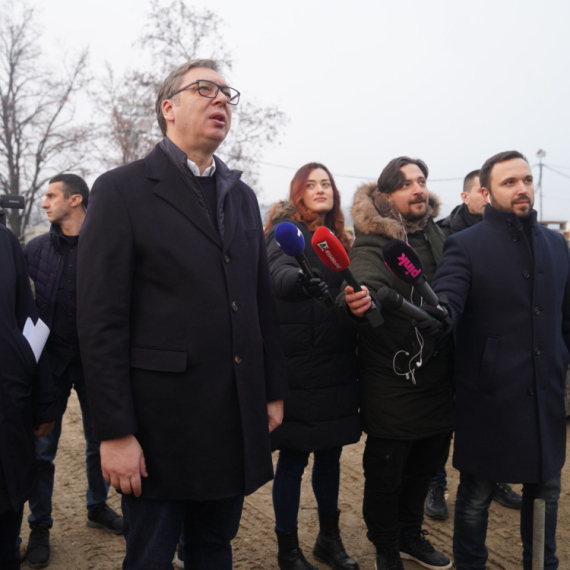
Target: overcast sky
(364,81)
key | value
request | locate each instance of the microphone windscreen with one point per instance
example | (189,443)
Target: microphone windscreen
(402,260)
(289,239)
(329,249)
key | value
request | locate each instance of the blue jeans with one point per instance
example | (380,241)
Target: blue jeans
(10,524)
(46,449)
(472,513)
(152,529)
(287,484)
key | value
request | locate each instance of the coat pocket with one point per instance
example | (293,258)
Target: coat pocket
(159,359)
(489,361)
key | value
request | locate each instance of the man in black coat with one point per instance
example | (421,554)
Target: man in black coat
(27,397)
(178,331)
(508,284)
(469,213)
(52,263)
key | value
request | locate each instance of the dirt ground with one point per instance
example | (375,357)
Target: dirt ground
(76,547)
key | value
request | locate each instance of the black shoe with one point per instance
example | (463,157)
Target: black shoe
(290,556)
(329,547)
(506,496)
(103,516)
(435,504)
(388,559)
(415,546)
(38,554)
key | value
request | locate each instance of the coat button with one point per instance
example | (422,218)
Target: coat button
(515,237)
(537,311)
(526,274)
(531,391)
(237,359)
(234,307)
(226,258)
(537,350)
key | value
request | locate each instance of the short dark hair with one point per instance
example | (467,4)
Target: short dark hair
(485,172)
(392,178)
(172,83)
(73,184)
(468,180)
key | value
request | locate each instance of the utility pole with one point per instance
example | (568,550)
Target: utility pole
(541,154)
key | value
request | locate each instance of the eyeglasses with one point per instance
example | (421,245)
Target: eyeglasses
(210,90)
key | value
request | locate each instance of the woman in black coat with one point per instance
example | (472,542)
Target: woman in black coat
(321,412)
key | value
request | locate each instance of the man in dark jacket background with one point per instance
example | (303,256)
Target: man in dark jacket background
(470,212)
(52,263)
(404,377)
(464,216)
(28,404)
(179,332)
(508,284)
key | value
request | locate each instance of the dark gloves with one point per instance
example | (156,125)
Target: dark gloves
(440,318)
(313,287)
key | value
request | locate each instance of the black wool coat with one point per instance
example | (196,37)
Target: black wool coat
(510,304)
(321,410)
(27,394)
(178,330)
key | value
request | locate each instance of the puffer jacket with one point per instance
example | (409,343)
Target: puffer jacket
(405,380)
(321,410)
(460,219)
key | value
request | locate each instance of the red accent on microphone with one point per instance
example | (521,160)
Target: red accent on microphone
(329,249)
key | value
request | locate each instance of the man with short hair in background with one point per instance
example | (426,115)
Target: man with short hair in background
(508,284)
(462,217)
(52,263)
(179,332)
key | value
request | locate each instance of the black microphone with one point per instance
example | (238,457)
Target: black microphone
(392,300)
(403,261)
(291,242)
(333,255)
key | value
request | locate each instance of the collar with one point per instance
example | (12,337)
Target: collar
(506,220)
(180,157)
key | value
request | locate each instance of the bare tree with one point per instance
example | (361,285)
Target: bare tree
(38,138)
(173,34)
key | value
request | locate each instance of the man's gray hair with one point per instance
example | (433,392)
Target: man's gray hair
(172,83)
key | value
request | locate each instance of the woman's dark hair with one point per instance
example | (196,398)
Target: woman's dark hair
(334,220)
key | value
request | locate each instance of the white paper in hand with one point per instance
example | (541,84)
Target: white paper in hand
(36,335)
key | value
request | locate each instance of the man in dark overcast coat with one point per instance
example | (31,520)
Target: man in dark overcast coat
(508,284)
(28,398)
(178,332)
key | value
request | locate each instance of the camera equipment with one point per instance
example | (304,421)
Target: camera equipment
(12,202)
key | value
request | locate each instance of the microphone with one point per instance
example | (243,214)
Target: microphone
(333,255)
(389,298)
(291,242)
(405,264)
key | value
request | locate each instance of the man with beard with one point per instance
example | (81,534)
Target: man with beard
(508,284)
(469,213)
(404,378)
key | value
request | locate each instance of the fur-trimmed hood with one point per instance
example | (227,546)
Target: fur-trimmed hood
(284,209)
(373,213)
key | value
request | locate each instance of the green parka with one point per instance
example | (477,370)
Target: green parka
(399,398)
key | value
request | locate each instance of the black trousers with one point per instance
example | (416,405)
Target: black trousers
(397,476)
(10,524)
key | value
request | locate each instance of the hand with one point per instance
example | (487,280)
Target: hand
(429,327)
(313,286)
(123,464)
(358,302)
(43,429)
(275,414)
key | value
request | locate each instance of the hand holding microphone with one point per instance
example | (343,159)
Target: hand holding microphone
(403,261)
(333,255)
(292,243)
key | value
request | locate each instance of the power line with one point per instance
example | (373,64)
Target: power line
(560,173)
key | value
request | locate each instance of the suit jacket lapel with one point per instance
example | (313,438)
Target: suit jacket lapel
(174,189)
